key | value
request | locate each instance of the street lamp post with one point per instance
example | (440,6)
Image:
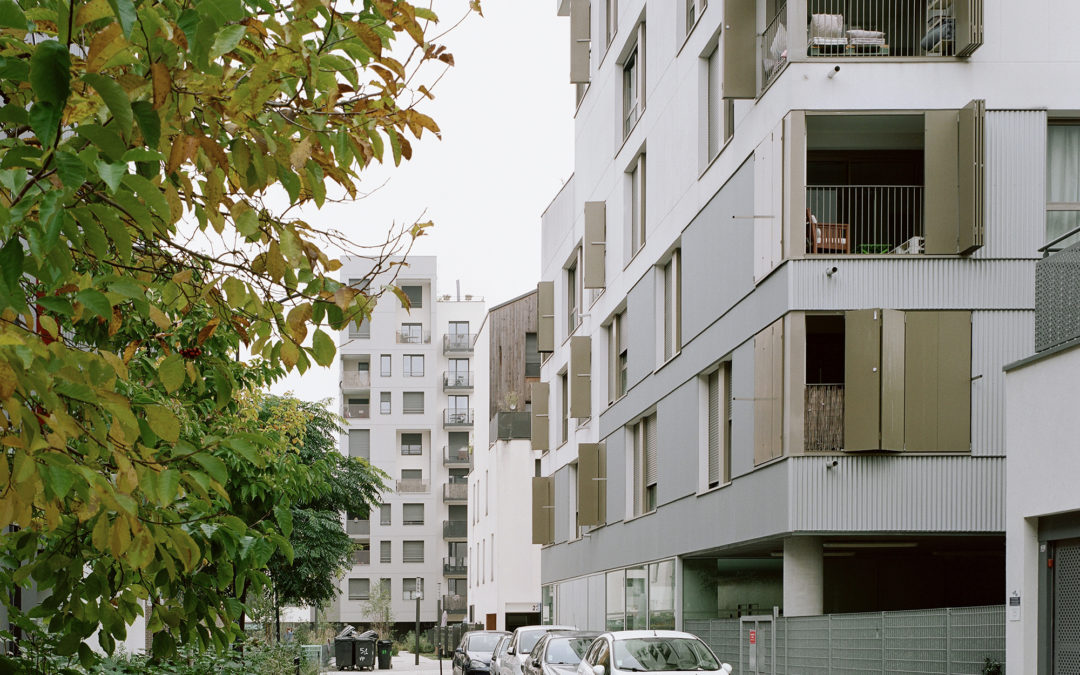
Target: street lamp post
(419,594)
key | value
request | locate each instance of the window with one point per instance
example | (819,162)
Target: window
(716,132)
(359,589)
(572,293)
(411,586)
(384,587)
(662,595)
(412,514)
(458,336)
(487,492)
(412,551)
(694,8)
(415,294)
(457,373)
(672,288)
(611,19)
(532,356)
(645,469)
(384,403)
(360,443)
(1062,182)
(564,396)
(493,557)
(384,552)
(385,367)
(360,284)
(412,474)
(458,411)
(412,333)
(713,430)
(412,365)
(412,443)
(360,330)
(384,514)
(574,511)
(636,223)
(633,68)
(412,402)
(617,358)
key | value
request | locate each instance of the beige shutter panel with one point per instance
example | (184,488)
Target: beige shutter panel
(954,170)
(360,443)
(969,26)
(738,38)
(579,41)
(937,362)
(595,245)
(590,477)
(540,425)
(545,316)
(543,512)
(768,392)
(892,379)
(970,166)
(862,380)
(794,176)
(580,377)
(714,428)
(650,450)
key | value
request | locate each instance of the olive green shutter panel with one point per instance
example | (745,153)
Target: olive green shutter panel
(954,158)
(580,377)
(970,165)
(969,26)
(595,245)
(892,379)
(768,392)
(579,41)
(937,361)
(543,511)
(862,380)
(739,40)
(545,316)
(540,426)
(592,492)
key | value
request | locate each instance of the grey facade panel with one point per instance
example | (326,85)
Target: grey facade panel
(997,338)
(615,447)
(884,493)
(641,329)
(597,604)
(677,457)
(562,501)
(573,602)
(742,410)
(1015,183)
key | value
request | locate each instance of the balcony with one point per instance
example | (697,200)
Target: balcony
(457,457)
(864,219)
(413,486)
(356,411)
(358,527)
(356,379)
(506,426)
(455,529)
(457,418)
(455,604)
(457,381)
(361,557)
(455,567)
(413,337)
(823,426)
(361,332)
(892,28)
(774,46)
(456,491)
(458,343)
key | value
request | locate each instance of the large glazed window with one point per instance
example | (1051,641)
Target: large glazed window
(1062,183)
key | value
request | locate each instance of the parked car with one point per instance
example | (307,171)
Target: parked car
(473,654)
(652,651)
(558,653)
(499,653)
(521,643)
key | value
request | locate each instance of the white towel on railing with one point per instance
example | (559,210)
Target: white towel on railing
(866,37)
(827,29)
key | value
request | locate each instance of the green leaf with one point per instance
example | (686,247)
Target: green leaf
(212,465)
(222,11)
(71,169)
(59,480)
(115,98)
(105,139)
(11,16)
(149,122)
(168,482)
(142,155)
(125,14)
(424,13)
(171,372)
(227,39)
(95,301)
(11,264)
(50,75)
(112,174)
(45,121)
(150,194)
(163,422)
(322,348)
(283,516)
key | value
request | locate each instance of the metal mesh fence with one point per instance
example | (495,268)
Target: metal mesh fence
(951,641)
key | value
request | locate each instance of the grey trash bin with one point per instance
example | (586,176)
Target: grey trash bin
(343,648)
(364,650)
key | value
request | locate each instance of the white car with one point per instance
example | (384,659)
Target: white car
(521,644)
(649,651)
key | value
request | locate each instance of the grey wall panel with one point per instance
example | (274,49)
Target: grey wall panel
(1015,183)
(615,447)
(997,338)
(562,502)
(641,331)
(914,282)
(742,411)
(572,602)
(678,426)
(597,604)
(718,253)
(897,494)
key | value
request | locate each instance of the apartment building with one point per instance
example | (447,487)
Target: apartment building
(504,573)
(777,296)
(407,391)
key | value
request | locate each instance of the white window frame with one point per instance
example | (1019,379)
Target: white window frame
(408,365)
(386,406)
(572,279)
(413,411)
(636,202)
(359,595)
(669,307)
(386,365)
(611,20)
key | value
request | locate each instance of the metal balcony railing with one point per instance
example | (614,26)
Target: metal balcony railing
(361,557)
(458,343)
(457,380)
(864,219)
(456,492)
(361,411)
(413,485)
(356,379)
(882,28)
(357,527)
(456,456)
(455,566)
(413,337)
(455,603)
(774,46)
(457,417)
(455,529)
(823,426)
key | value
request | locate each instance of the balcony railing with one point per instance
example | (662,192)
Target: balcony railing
(458,343)
(455,566)
(456,456)
(864,219)
(455,529)
(413,485)
(774,46)
(455,603)
(356,379)
(506,426)
(357,527)
(413,337)
(823,426)
(456,492)
(457,417)
(883,28)
(361,557)
(359,411)
(457,380)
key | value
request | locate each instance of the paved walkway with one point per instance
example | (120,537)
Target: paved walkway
(405,663)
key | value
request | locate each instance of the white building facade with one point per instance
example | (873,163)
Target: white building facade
(407,390)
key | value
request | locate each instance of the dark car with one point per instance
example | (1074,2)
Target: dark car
(473,655)
(558,653)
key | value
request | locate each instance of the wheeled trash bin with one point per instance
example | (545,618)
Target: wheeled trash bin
(385,651)
(364,652)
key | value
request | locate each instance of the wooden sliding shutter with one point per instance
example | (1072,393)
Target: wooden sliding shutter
(739,42)
(892,379)
(540,426)
(969,26)
(954,156)
(543,511)
(769,392)
(595,245)
(579,41)
(937,397)
(592,484)
(970,167)
(580,377)
(545,316)
(862,380)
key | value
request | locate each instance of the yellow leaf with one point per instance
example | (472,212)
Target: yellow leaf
(92,11)
(290,353)
(176,207)
(129,351)
(48,324)
(207,330)
(100,536)
(116,363)
(162,80)
(275,262)
(104,46)
(300,154)
(7,509)
(8,380)
(119,537)
(158,317)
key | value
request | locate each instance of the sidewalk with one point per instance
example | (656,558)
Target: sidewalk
(405,663)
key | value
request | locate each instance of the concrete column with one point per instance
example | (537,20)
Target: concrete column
(804,577)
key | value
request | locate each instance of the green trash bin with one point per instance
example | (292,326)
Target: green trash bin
(385,650)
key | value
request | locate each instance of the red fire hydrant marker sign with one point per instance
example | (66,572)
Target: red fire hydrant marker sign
(753,637)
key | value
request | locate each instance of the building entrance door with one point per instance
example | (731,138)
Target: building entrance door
(757,645)
(1065,650)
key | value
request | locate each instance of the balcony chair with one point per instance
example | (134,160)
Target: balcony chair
(827,237)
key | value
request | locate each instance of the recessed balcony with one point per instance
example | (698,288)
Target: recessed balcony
(356,411)
(457,344)
(456,491)
(457,457)
(358,527)
(413,486)
(356,380)
(455,604)
(455,567)
(457,418)
(455,529)
(457,381)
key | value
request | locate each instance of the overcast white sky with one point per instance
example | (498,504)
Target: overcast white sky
(505,111)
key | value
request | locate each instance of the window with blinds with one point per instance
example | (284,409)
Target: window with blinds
(360,443)
(413,514)
(386,365)
(415,294)
(359,589)
(714,429)
(672,280)
(412,444)
(385,407)
(410,587)
(412,402)
(384,552)
(384,514)
(645,465)
(384,587)
(412,551)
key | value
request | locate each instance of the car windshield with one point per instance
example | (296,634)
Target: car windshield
(528,639)
(485,642)
(567,650)
(663,653)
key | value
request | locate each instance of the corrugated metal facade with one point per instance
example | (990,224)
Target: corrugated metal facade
(897,494)
(997,338)
(1015,183)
